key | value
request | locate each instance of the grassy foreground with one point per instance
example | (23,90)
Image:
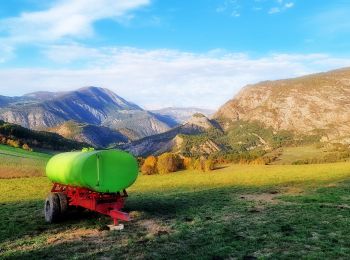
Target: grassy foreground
(242,212)
(16,162)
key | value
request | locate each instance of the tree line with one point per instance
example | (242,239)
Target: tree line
(171,162)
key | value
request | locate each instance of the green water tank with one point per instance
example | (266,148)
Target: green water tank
(101,171)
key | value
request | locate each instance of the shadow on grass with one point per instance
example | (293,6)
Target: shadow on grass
(210,224)
(27,219)
(180,208)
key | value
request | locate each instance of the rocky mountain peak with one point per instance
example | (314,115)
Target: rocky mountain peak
(308,104)
(89,105)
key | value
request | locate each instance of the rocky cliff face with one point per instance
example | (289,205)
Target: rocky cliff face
(91,105)
(318,103)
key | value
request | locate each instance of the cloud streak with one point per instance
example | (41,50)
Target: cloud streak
(282,6)
(65,19)
(163,77)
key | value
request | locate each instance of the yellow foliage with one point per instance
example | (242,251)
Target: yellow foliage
(150,165)
(26,147)
(258,161)
(187,163)
(168,162)
(13,143)
(209,165)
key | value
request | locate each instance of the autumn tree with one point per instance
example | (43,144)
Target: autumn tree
(168,162)
(26,147)
(149,166)
(187,163)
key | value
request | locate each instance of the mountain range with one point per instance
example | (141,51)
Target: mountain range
(265,116)
(261,116)
(91,114)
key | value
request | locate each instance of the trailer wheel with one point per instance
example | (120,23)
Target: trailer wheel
(63,202)
(52,208)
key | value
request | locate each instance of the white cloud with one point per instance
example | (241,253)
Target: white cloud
(158,78)
(6,52)
(281,7)
(236,7)
(274,10)
(70,53)
(289,5)
(231,7)
(64,19)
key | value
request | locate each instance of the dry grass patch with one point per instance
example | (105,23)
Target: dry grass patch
(77,235)
(332,185)
(154,228)
(262,198)
(293,190)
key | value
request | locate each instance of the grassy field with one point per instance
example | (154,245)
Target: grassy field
(242,212)
(16,162)
(294,154)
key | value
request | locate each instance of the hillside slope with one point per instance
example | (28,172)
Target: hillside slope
(174,139)
(17,135)
(314,104)
(96,136)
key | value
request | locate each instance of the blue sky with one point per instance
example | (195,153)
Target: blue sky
(168,53)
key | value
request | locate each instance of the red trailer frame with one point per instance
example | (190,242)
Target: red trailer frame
(105,203)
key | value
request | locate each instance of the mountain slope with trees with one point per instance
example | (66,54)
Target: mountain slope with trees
(21,137)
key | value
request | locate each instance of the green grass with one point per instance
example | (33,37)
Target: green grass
(300,153)
(5,149)
(292,154)
(16,162)
(239,212)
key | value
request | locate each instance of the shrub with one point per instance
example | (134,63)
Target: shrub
(149,166)
(168,162)
(258,161)
(187,163)
(26,147)
(13,143)
(209,165)
(204,165)
(197,164)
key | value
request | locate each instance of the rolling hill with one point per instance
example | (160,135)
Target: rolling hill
(17,135)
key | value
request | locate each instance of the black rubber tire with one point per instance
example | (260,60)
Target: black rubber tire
(63,202)
(52,208)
